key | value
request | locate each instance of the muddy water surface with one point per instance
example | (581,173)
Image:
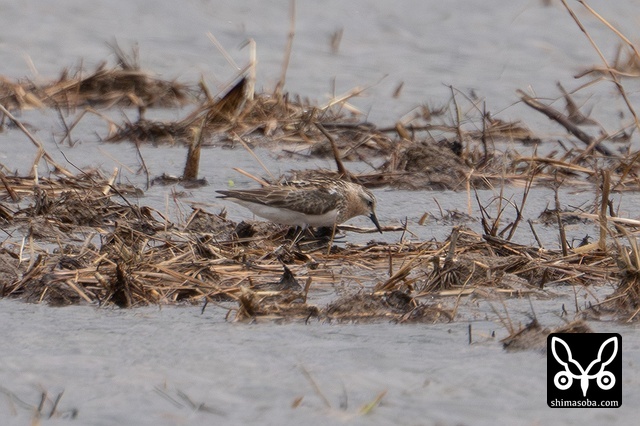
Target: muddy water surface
(174,365)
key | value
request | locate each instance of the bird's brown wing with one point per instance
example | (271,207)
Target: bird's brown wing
(312,200)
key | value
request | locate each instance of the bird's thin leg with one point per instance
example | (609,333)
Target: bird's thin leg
(298,236)
(333,234)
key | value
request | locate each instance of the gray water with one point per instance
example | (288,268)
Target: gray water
(131,367)
(139,366)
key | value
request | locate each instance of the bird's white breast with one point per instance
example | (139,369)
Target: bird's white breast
(290,217)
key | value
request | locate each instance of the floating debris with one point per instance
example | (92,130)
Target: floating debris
(84,242)
(79,239)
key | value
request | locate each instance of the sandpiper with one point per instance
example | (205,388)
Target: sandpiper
(314,202)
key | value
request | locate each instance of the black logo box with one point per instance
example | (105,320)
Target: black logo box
(584,370)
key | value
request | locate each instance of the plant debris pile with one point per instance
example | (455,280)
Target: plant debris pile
(79,237)
(85,242)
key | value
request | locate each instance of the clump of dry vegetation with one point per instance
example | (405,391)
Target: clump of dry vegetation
(83,240)
(123,85)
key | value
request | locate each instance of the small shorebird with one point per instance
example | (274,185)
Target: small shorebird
(314,202)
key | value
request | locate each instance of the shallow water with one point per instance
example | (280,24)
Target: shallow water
(491,47)
(130,367)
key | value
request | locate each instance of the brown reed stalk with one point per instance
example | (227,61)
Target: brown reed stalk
(36,142)
(611,27)
(557,116)
(289,46)
(602,217)
(608,68)
(193,154)
(563,236)
(342,171)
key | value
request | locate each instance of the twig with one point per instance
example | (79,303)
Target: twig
(287,52)
(305,291)
(557,116)
(604,203)
(563,236)
(611,27)
(66,128)
(315,386)
(253,154)
(55,404)
(250,176)
(575,115)
(519,210)
(193,155)
(613,75)
(253,61)
(452,244)
(483,138)
(366,409)
(336,154)
(113,188)
(36,142)
(535,234)
(455,105)
(13,194)
(107,188)
(222,50)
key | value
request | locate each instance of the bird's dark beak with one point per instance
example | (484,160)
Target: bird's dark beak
(374,219)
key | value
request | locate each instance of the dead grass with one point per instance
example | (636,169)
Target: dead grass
(123,86)
(84,242)
(82,239)
(432,148)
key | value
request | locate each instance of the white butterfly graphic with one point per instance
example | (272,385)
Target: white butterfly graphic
(564,379)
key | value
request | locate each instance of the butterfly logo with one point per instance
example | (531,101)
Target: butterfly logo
(564,379)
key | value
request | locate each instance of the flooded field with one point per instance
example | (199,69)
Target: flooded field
(168,310)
